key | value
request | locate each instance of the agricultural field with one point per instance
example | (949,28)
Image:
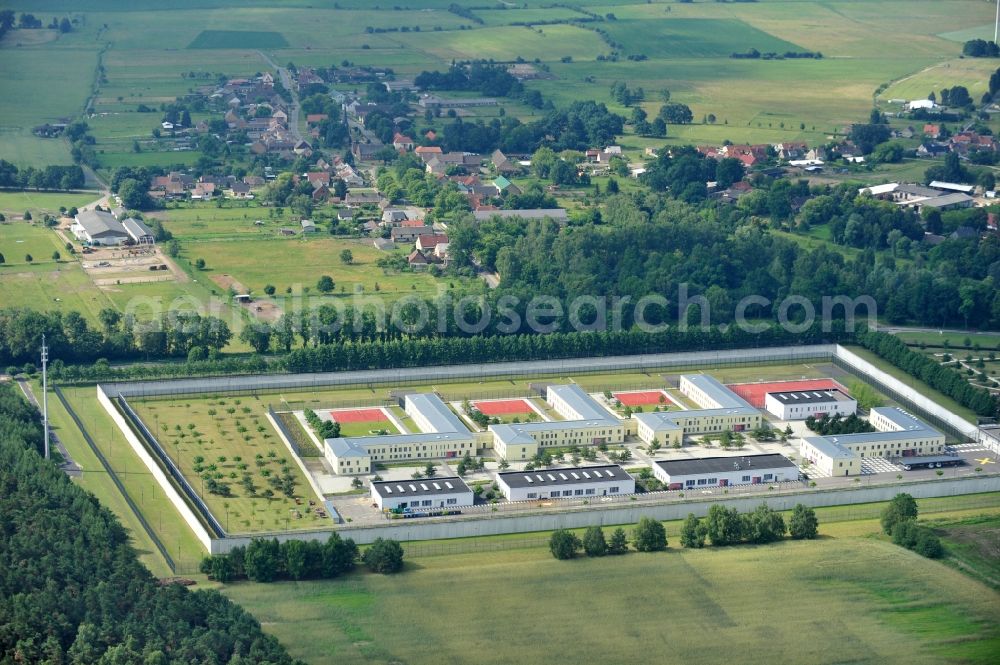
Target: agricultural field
(237,39)
(865,45)
(298,262)
(896,606)
(227,444)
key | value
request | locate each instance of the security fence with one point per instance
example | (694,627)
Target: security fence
(272,383)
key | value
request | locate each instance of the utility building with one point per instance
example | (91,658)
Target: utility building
(725,471)
(800,404)
(578,482)
(426,494)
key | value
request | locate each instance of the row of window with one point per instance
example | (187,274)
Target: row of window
(556,494)
(715,481)
(428,502)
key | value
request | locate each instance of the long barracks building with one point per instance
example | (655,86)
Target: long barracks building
(900,435)
(722,410)
(442,435)
(586,423)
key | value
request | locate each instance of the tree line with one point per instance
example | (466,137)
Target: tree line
(72,339)
(943,379)
(723,526)
(267,560)
(72,589)
(49,177)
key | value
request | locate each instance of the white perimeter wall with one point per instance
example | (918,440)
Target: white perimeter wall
(168,488)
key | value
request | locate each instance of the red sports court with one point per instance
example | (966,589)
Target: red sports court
(358,415)
(643,398)
(503,407)
(756,392)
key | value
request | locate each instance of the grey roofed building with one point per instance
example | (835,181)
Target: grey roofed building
(948,201)
(574,476)
(685,467)
(556,214)
(436,415)
(99,228)
(356,446)
(582,404)
(829,448)
(723,397)
(809,396)
(138,232)
(422,487)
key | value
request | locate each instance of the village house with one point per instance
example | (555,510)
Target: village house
(402,142)
(408,234)
(430,241)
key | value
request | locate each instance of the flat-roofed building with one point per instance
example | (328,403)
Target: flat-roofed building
(721,410)
(587,424)
(725,471)
(900,434)
(801,404)
(423,495)
(575,483)
(442,435)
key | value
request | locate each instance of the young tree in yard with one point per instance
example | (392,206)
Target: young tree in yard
(56,256)
(563,544)
(28,258)
(593,542)
(902,507)
(325,284)
(649,536)
(384,556)
(618,543)
(430,470)
(803,524)
(199,264)
(269,289)
(2,260)
(692,533)
(347,256)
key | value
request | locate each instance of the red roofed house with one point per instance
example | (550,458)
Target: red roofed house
(402,142)
(316,118)
(431,241)
(425,152)
(318,177)
(933,131)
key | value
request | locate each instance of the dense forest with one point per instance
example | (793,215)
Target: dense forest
(72,589)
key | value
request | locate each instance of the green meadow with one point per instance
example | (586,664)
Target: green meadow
(237,39)
(847,597)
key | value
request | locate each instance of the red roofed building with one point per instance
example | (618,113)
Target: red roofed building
(318,177)
(402,142)
(316,118)
(933,131)
(430,241)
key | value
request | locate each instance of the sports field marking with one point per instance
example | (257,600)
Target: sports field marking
(503,407)
(359,415)
(643,398)
(756,392)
